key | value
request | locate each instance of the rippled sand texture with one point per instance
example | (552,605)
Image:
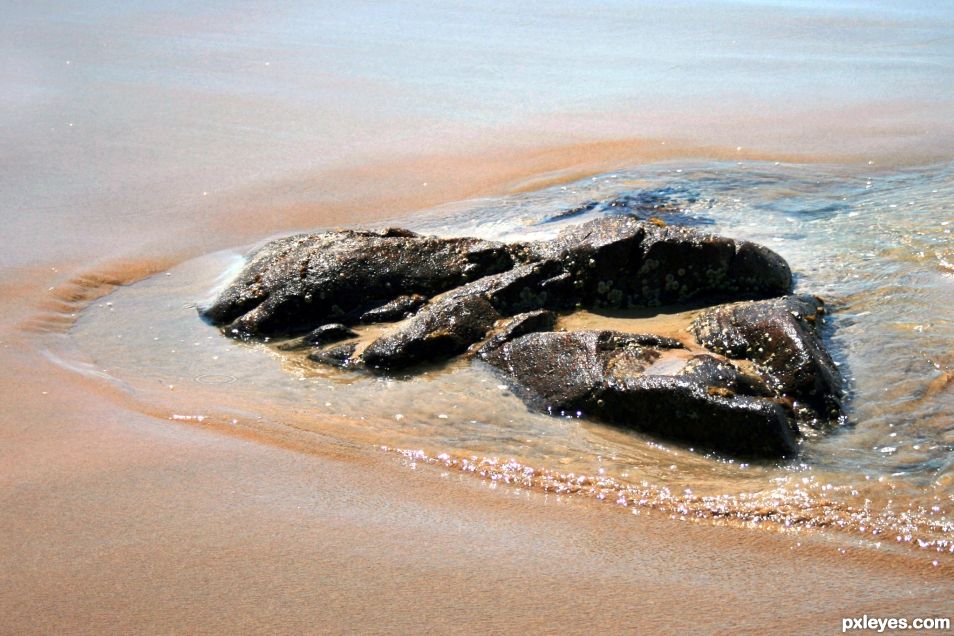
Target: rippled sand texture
(139,136)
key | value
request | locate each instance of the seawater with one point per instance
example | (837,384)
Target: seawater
(875,244)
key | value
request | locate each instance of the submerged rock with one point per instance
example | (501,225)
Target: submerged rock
(340,356)
(325,334)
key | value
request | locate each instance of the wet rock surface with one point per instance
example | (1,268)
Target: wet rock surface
(338,356)
(756,371)
(399,308)
(295,284)
(519,325)
(325,334)
(781,336)
(624,262)
(438,331)
(646,383)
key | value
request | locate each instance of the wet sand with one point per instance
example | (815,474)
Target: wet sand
(114,521)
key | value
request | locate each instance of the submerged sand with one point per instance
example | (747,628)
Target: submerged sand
(117,521)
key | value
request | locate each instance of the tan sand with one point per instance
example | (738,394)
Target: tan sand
(116,522)
(138,135)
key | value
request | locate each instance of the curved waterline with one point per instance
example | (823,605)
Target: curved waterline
(874,244)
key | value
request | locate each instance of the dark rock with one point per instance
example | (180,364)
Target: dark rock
(720,374)
(293,284)
(601,244)
(646,383)
(626,262)
(463,316)
(554,371)
(520,325)
(684,410)
(713,372)
(438,331)
(679,265)
(558,369)
(341,356)
(325,334)
(524,288)
(398,309)
(781,336)
(759,269)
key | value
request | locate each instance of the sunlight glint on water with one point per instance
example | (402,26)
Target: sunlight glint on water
(876,246)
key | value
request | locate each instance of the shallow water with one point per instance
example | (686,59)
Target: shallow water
(137,134)
(876,245)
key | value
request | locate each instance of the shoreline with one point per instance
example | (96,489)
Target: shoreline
(141,136)
(87,475)
(117,518)
(393,189)
(394,186)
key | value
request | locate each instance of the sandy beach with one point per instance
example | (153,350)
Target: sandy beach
(119,523)
(135,140)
